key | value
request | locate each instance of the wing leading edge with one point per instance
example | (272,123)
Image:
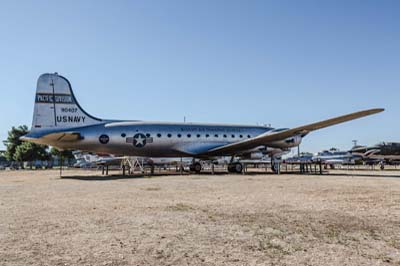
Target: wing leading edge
(269,137)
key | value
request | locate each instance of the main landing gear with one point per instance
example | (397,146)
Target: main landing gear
(195,167)
(235,167)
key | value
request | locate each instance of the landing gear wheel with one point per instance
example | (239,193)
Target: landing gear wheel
(196,167)
(235,168)
(238,168)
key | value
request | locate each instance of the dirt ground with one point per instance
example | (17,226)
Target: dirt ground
(348,218)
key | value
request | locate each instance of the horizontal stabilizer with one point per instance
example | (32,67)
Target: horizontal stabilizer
(64,136)
(52,137)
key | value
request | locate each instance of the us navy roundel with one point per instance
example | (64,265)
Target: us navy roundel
(139,140)
(104,139)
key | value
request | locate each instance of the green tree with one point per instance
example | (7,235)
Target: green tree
(13,140)
(65,154)
(29,152)
(3,158)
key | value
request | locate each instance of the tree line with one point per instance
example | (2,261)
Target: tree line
(21,151)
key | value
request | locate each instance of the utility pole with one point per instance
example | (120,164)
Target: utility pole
(61,163)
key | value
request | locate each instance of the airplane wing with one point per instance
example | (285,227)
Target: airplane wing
(359,149)
(269,137)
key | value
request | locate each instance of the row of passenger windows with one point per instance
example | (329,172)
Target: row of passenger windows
(148,135)
(198,135)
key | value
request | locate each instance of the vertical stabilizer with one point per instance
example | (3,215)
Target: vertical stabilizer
(56,105)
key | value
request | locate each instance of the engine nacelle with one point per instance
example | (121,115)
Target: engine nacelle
(286,143)
(256,155)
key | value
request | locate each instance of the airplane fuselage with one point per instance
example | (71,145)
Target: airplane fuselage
(164,139)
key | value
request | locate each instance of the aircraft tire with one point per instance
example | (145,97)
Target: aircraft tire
(238,167)
(197,167)
(235,168)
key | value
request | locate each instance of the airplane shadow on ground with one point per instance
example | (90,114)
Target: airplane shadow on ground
(134,176)
(101,178)
(156,175)
(362,175)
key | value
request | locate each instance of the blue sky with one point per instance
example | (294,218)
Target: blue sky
(284,63)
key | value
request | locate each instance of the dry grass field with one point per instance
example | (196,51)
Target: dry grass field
(85,219)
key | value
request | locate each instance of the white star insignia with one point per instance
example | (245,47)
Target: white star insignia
(139,140)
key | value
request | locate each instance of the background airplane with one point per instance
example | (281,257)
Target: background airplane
(385,152)
(335,156)
(60,121)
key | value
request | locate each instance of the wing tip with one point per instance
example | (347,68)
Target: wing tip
(373,111)
(378,110)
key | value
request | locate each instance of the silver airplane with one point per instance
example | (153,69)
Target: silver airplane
(60,121)
(384,152)
(334,156)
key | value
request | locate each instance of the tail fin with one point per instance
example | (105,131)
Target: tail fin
(56,105)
